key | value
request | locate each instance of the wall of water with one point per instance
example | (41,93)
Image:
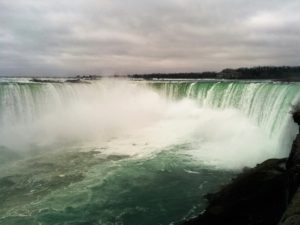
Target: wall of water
(44,113)
(267,104)
(39,114)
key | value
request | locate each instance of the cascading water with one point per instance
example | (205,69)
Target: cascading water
(119,152)
(267,104)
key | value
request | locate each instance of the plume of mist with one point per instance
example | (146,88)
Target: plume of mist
(129,119)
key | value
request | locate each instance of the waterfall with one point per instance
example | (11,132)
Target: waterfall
(65,112)
(268,104)
(40,114)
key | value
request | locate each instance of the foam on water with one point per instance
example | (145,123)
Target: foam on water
(227,125)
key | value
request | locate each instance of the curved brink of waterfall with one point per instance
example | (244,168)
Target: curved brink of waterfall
(40,114)
(267,104)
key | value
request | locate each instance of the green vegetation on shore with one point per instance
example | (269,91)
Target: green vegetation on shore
(283,73)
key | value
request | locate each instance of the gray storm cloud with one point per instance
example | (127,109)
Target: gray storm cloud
(71,37)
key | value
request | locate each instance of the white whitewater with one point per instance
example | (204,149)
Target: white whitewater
(226,125)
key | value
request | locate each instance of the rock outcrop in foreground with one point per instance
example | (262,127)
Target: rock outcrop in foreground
(292,214)
(268,194)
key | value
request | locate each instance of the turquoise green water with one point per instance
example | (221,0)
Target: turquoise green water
(132,153)
(79,188)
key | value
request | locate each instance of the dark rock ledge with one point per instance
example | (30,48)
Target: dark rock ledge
(268,194)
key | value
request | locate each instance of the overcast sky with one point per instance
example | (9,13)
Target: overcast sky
(69,37)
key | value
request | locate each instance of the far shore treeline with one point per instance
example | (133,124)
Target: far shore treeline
(280,73)
(283,73)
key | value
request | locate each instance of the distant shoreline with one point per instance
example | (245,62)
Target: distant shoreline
(280,74)
(283,74)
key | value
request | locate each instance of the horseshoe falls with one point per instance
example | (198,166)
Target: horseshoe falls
(132,152)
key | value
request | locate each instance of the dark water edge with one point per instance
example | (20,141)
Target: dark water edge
(90,188)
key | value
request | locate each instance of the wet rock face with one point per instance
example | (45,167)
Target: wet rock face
(292,214)
(293,163)
(296,117)
(257,196)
